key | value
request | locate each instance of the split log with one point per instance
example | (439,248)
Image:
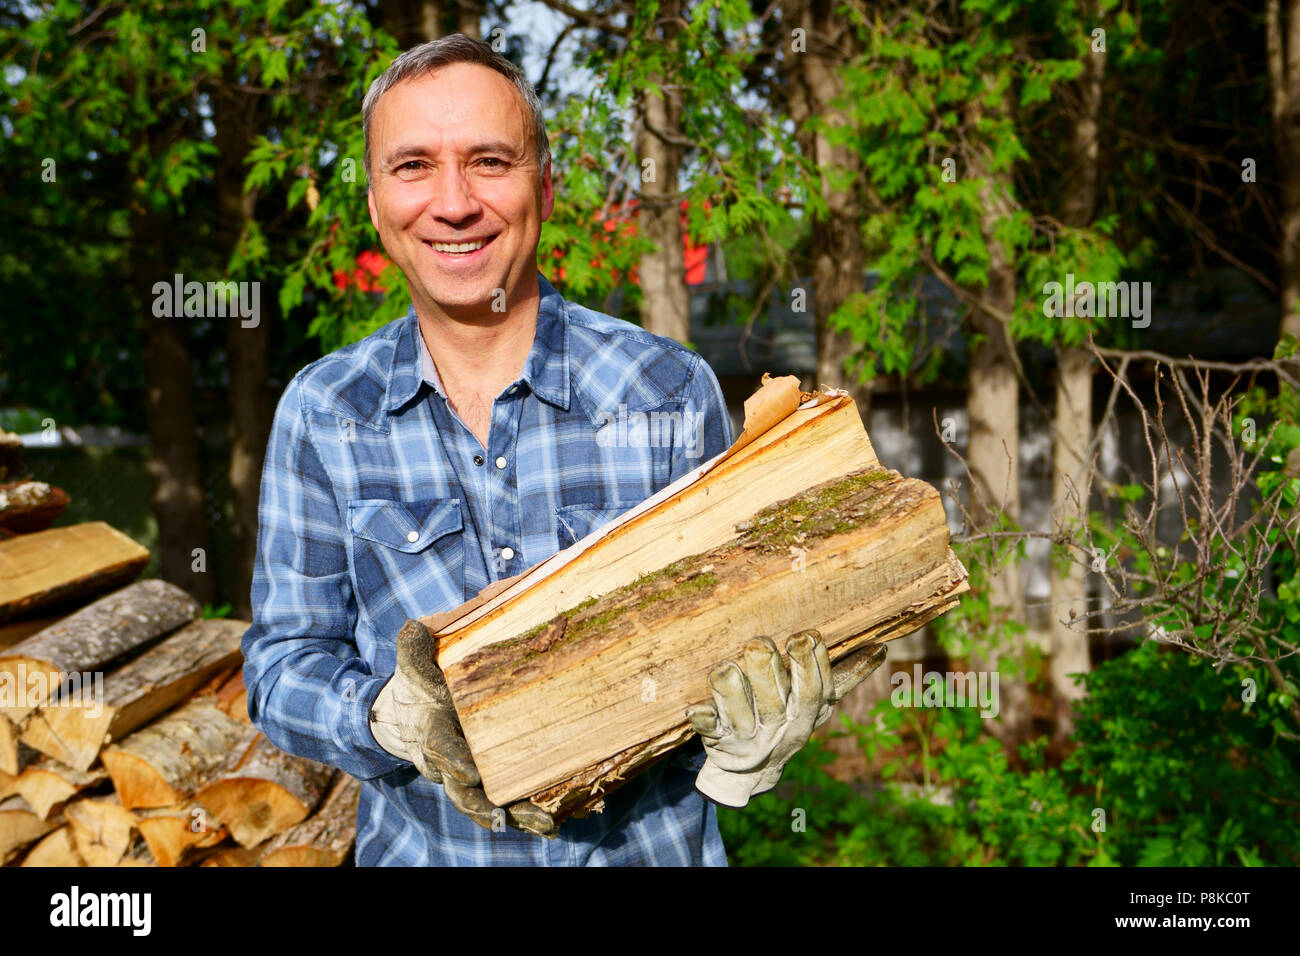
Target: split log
(19,826)
(326,837)
(30,506)
(47,785)
(76,649)
(233,856)
(568,683)
(232,697)
(264,791)
(173,833)
(55,849)
(75,731)
(164,763)
(101,829)
(50,567)
(137,854)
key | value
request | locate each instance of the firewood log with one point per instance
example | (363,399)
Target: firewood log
(101,829)
(232,697)
(173,833)
(47,785)
(19,826)
(326,837)
(578,674)
(75,731)
(53,566)
(164,763)
(29,506)
(58,848)
(264,791)
(80,646)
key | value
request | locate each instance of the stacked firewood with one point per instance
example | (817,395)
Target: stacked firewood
(124,733)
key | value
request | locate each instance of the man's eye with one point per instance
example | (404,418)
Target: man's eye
(411,164)
(500,164)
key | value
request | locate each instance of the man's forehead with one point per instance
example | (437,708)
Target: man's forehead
(465,102)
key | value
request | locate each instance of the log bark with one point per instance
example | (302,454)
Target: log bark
(47,785)
(263,791)
(58,848)
(49,567)
(174,834)
(326,837)
(101,830)
(164,763)
(75,731)
(82,644)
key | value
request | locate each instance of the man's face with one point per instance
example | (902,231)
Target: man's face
(453,162)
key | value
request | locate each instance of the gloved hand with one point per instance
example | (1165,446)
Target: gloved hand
(763,715)
(413,717)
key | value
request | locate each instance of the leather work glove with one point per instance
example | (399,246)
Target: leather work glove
(413,717)
(763,713)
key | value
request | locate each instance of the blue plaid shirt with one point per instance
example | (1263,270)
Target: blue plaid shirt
(378,504)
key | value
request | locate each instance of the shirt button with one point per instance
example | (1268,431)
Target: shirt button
(478,459)
(513,389)
(501,462)
(413,536)
(507,553)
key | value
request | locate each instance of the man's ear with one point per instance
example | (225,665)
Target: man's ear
(548,193)
(374,215)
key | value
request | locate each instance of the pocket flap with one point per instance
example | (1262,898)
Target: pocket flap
(408,526)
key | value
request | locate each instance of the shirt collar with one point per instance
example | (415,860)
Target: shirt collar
(546,370)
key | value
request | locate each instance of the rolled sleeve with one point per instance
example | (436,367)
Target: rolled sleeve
(309,690)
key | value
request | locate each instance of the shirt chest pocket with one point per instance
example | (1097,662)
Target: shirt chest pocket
(408,558)
(576,521)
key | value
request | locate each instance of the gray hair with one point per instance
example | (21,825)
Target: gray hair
(456,48)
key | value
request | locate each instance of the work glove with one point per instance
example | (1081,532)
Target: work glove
(413,718)
(763,713)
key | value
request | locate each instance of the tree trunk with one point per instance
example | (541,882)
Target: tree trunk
(665,308)
(837,253)
(993,453)
(414,22)
(247,340)
(173,433)
(1072,434)
(1283,38)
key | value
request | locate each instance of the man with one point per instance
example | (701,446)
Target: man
(460,445)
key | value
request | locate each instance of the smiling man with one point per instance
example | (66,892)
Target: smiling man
(463,444)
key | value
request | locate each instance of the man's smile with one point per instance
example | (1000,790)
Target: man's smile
(461,250)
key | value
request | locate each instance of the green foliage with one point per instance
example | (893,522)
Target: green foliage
(1184,774)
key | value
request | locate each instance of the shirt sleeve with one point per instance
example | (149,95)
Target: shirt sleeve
(309,690)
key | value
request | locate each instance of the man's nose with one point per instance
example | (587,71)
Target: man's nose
(453,196)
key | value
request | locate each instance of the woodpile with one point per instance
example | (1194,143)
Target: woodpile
(124,735)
